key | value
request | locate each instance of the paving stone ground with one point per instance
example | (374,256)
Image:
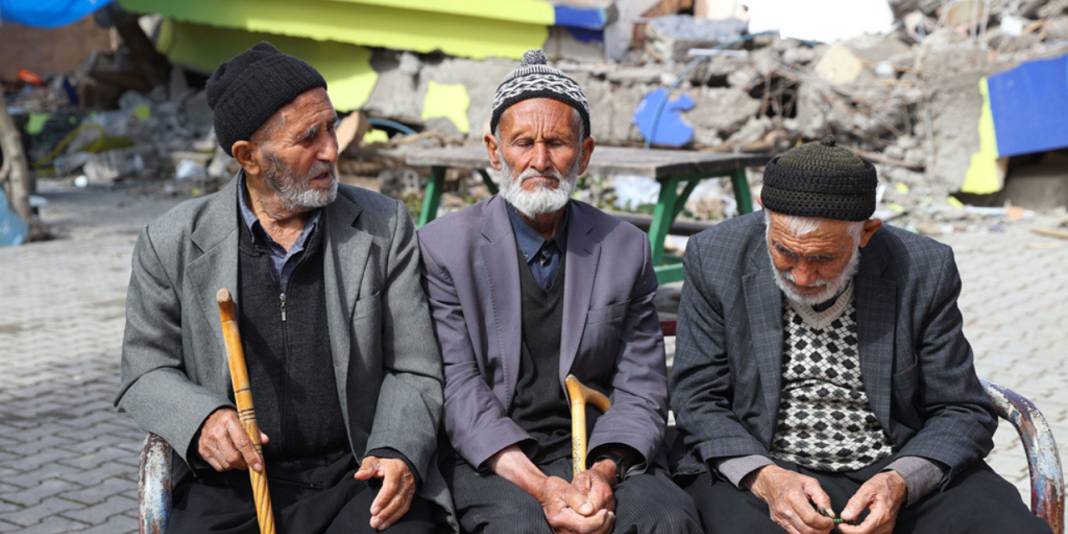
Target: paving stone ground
(68,460)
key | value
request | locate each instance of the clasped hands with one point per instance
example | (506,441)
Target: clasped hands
(799,505)
(586,505)
(225,446)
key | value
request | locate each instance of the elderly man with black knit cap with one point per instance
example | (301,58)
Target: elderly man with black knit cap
(342,361)
(821,379)
(528,287)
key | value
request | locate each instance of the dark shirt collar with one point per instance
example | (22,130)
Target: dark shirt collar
(531,242)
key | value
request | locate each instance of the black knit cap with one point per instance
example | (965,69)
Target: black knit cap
(822,180)
(245,91)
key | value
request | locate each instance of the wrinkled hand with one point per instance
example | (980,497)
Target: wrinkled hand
(224,444)
(398,487)
(882,495)
(597,485)
(788,495)
(568,511)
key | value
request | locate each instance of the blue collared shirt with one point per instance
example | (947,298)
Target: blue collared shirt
(283,262)
(543,255)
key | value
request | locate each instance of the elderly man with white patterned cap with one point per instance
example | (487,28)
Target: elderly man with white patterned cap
(528,287)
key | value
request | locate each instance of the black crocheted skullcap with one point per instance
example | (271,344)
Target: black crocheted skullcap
(821,180)
(535,78)
(245,91)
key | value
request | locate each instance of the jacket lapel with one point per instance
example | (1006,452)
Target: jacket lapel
(497,262)
(347,250)
(763,302)
(876,305)
(216,236)
(580,267)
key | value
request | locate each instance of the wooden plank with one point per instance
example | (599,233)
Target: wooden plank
(654,163)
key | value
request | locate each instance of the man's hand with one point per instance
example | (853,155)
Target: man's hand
(568,511)
(224,444)
(398,488)
(597,484)
(882,495)
(790,497)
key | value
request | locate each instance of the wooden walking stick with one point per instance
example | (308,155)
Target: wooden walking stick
(235,356)
(580,395)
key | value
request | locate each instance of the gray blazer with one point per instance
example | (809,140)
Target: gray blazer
(174,370)
(610,339)
(915,363)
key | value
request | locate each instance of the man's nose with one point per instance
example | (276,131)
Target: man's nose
(328,148)
(803,276)
(541,161)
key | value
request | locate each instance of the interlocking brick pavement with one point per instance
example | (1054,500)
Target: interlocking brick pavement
(68,461)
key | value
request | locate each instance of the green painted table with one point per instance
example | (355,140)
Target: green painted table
(672,168)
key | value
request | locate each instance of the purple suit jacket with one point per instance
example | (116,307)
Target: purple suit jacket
(611,333)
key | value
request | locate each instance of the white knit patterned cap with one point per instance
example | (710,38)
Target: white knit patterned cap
(534,78)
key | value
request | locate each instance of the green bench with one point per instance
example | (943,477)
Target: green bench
(672,168)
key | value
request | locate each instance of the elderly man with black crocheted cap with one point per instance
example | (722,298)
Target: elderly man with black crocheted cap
(342,361)
(528,287)
(821,378)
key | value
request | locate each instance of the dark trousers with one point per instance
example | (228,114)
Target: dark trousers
(307,497)
(645,504)
(975,501)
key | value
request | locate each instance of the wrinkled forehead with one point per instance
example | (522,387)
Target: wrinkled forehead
(809,231)
(546,114)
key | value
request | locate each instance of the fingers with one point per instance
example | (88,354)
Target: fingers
(391,485)
(395,508)
(224,444)
(858,503)
(805,517)
(368,468)
(244,446)
(568,520)
(577,501)
(812,489)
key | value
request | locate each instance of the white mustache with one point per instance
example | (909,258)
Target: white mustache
(532,173)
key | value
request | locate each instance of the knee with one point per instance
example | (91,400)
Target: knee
(672,520)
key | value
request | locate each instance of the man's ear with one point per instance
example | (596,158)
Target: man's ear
(244,153)
(870,227)
(491,150)
(588,144)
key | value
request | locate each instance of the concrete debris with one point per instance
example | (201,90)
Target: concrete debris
(907,100)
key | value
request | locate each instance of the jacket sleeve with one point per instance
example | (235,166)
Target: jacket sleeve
(638,416)
(959,419)
(409,402)
(154,388)
(701,381)
(475,420)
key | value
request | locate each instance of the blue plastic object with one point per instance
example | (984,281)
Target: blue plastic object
(660,123)
(12,229)
(1029,104)
(48,13)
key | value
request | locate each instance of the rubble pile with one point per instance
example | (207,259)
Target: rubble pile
(907,100)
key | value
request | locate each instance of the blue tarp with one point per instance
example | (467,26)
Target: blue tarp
(47,13)
(1029,104)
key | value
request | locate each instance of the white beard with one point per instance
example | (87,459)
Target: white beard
(831,288)
(297,194)
(543,199)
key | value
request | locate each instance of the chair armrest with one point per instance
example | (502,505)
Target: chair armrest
(154,485)
(1043,460)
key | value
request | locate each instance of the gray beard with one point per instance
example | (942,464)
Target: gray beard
(297,194)
(831,288)
(541,200)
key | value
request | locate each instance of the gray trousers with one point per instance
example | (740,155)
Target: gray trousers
(976,501)
(649,503)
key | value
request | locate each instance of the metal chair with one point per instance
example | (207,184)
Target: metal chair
(1043,461)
